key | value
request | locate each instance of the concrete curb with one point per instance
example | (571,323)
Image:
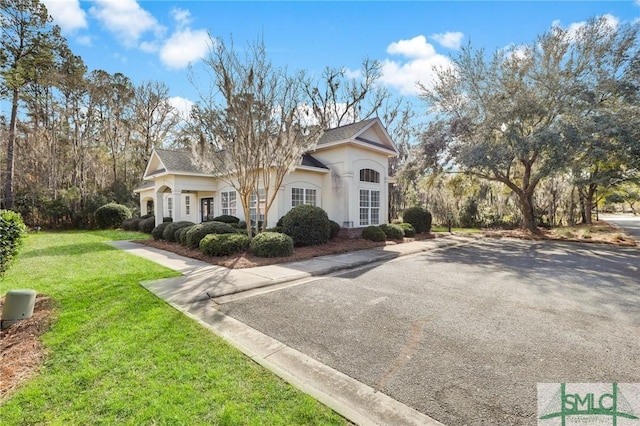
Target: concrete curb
(350,398)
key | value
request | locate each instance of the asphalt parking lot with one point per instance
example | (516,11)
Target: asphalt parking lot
(464,334)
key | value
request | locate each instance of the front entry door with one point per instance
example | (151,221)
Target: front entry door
(206,209)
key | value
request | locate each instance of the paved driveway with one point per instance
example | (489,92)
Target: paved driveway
(628,222)
(464,334)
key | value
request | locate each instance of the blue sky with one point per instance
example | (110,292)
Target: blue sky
(156,40)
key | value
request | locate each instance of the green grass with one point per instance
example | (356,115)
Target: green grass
(119,355)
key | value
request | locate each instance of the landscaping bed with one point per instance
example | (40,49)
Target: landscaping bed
(247,260)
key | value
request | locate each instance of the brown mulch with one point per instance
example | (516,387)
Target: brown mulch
(247,260)
(21,351)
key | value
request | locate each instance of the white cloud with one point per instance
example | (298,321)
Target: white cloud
(67,14)
(450,40)
(417,47)
(181,16)
(125,19)
(184,46)
(422,59)
(84,40)
(574,28)
(149,46)
(349,73)
(182,106)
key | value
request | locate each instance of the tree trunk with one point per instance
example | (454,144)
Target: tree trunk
(528,212)
(586,202)
(8,184)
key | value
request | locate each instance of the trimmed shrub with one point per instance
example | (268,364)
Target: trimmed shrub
(373,233)
(169,233)
(131,224)
(408,229)
(12,231)
(111,215)
(181,235)
(167,219)
(334,229)
(280,222)
(147,225)
(392,232)
(419,218)
(159,230)
(226,218)
(223,244)
(272,244)
(306,225)
(274,229)
(198,232)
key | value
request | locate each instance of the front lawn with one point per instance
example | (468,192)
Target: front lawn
(119,355)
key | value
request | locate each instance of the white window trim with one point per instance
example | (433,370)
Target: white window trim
(305,195)
(232,211)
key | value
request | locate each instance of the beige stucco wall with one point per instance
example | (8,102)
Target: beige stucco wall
(337,191)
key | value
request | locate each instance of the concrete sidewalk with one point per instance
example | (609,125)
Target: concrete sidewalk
(200,282)
(203,281)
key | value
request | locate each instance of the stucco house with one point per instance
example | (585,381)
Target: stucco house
(346,174)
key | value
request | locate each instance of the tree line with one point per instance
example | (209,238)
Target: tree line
(531,134)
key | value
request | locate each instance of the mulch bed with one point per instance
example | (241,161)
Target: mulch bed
(21,351)
(246,260)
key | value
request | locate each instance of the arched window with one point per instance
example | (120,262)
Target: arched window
(369,175)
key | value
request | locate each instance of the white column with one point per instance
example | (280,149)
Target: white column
(159,207)
(177,205)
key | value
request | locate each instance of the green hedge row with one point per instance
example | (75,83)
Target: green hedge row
(12,231)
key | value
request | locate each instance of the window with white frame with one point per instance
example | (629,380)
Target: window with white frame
(257,200)
(170,206)
(369,175)
(303,196)
(187,205)
(369,207)
(228,201)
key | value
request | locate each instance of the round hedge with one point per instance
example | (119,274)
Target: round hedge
(272,244)
(334,229)
(169,233)
(392,232)
(408,229)
(157,232)
(373,233)
(111,215)
(226,218)
(198,232)
(223,244)
(147,225)
(181,235)
(419,218)
(131,224)
(307,225)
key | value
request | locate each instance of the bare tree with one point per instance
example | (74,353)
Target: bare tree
(250,126)
(338,98)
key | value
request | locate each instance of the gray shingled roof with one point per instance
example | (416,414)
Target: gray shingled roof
(343,132)
(178,161)
(310,161)
(144,185)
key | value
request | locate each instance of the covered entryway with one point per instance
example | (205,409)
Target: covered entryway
(206,209)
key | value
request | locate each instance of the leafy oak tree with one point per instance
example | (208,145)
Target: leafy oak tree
(514,117)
